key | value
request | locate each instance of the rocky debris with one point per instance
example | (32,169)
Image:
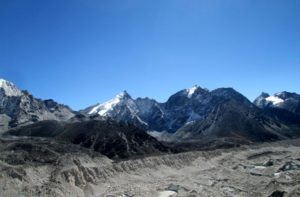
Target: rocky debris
(173,187)
(167,193)
(295,192)
(257,171)
(277,194)
(260,154)
(76,171)
(290,165)
(268,163)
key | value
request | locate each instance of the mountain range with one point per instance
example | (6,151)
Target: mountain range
(196,113)
(18,108)
(190,115)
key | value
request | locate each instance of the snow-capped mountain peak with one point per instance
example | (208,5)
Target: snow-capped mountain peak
(274,100)
(20,108)
(123,95)
(285,100)
(191,91)
(9,88)
(265,99)
(104,108)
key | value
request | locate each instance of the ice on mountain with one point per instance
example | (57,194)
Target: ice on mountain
(274,100)
(9,88)
(191,91)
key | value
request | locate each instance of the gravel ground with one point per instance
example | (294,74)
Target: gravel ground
(268,169)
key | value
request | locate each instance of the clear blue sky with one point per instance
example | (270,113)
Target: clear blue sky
(80,52)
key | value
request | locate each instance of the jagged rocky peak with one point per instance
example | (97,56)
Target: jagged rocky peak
(53,106)
(191,91)
(285,100)
(266,99)
(9,88)
(145,105)
(185,96)
(263,95)
(50,104)
(20,108)
(145,99)
(104,108)
(195,90)
(274,100)
(123,95)
(287,95)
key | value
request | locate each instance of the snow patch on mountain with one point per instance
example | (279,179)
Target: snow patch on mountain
(140,120)
(274,100)
(191,91)
(286,100)
(104,108)
(9,88)
(121,108)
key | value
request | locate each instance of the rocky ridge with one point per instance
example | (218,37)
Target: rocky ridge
(18,108)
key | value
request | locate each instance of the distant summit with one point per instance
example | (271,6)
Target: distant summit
(18,108)
(191,91)
(283,100)
(104,108)
(9,88)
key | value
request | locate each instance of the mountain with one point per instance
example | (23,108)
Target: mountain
(115,140)
(283,100)
(190,114)
(122,108)
(142,112)
(182,108)
(197,113)
(9,89)
(19,108)
(234,116)
(185,106)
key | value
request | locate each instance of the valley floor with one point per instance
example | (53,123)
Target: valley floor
(268,169)
(260,170)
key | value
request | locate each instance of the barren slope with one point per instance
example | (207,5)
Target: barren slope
(45,168)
